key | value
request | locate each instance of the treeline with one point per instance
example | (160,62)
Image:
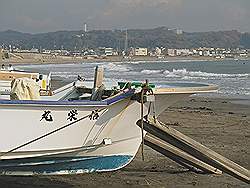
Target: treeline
(161,37)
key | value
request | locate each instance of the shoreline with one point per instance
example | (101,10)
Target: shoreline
(33,60)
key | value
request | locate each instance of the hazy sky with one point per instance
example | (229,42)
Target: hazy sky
(190,15)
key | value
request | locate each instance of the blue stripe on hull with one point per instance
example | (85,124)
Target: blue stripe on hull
(69,103)
(63,165)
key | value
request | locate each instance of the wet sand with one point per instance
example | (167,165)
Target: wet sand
(217,123)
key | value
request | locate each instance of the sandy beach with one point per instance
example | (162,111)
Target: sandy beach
(31,58)
(219,124)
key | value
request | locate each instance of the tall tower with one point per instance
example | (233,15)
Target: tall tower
(126,41)
(84,42)
(85,27)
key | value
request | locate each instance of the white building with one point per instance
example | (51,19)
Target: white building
(179,31)
(182,52)
(140,51)
(106,51)
(171,52)
(1,53)
(109,51)
(34,50)
(206,53)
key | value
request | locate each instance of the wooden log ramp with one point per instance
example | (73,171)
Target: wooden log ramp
(188,152)
(179,156)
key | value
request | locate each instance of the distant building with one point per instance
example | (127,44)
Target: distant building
(109,51)
(1,54)
(206,53)
(178,31)
(103,51)
(140,51)
(157,51)
(34,50)
(171,52)
(44,51)
(182,52)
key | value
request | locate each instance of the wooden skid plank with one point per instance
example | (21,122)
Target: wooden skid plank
(195,149)
(178,155)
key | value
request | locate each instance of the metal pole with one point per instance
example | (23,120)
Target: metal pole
(142,136)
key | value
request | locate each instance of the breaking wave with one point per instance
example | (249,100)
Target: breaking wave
(236,84)
(116,67)
(180,73)
(151,71)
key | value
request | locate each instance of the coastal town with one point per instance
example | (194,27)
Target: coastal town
(12,52)
(129,44)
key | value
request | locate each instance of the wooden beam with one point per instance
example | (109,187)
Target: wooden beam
(99,72)
(98,89)
(195,149)
(179,156)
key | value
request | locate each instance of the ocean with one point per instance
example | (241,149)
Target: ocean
(232,76)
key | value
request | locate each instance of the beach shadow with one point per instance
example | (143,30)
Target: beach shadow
(31,181)
(167,171)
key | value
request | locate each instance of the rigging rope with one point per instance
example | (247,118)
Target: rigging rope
(144,90)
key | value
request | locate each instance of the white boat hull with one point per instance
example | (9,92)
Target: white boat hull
(42,137)
(80,143)
(5,86)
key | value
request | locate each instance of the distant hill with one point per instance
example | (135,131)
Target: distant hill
(160,36)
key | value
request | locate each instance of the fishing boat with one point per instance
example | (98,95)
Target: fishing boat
(7,75)
(90,128)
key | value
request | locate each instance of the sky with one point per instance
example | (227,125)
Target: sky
(38,16)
